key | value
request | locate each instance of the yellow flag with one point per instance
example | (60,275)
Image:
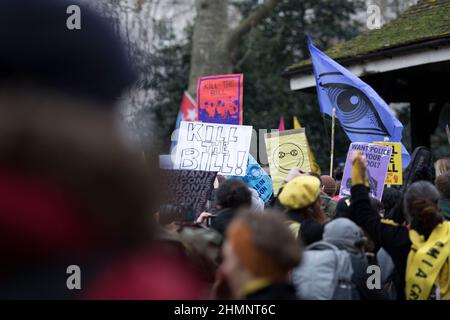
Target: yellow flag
(296,123)
(314,166)
(285,150)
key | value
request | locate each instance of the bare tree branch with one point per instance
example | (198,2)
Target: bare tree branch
(260,13)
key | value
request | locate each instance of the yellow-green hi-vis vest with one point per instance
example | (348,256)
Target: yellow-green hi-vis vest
(428,264)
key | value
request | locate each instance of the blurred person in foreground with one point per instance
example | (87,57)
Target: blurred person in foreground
(71,193)
(421,250)
(258,253)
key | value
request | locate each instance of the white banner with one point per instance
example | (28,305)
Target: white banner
(216,147)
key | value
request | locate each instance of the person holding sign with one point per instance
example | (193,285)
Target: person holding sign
(421,252)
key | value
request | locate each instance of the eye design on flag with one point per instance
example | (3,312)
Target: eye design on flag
(354,109)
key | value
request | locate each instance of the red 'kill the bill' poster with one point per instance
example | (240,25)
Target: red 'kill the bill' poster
(219,98)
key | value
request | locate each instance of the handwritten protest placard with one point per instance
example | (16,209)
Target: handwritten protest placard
(285,150)
(219,98)
(190,188)
(215,147)
(378,158)
(258,179)
(395,173)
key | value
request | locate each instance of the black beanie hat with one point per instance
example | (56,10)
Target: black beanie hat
(37,47)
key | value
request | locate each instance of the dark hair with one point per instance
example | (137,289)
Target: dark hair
(338,173)
(421,204)
(390,198)
(443,185)
(343,209)
(233,194)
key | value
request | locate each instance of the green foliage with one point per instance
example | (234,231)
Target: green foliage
(263,56)
(426,20)
(164,74)
(279,42)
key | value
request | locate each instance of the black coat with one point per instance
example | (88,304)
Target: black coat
(222,220)
(395,240)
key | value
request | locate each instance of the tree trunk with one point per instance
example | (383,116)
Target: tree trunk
(208,43)
(213,43)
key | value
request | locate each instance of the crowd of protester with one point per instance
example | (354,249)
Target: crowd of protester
(73,193)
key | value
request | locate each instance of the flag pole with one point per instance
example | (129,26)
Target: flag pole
(333,117)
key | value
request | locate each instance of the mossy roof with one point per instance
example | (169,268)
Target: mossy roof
(427,20)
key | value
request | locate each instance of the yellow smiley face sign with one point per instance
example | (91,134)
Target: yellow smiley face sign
(289,155)
(286,150)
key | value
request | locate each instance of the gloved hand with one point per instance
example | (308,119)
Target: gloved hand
(359,168)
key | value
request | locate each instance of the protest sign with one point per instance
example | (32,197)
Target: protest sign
(378,158)
(257,179)
(215,147)
(190,188)
(219,98)
(395,173)
(285,150)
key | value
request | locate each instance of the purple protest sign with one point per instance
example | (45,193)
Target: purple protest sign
(377,166)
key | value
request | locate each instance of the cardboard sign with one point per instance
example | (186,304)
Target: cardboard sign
(190,188)
(395,173)
(285,150)
(215,147)
(378,158)
(219,98)
(257,179)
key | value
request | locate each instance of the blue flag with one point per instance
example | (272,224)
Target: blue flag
(362,113)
